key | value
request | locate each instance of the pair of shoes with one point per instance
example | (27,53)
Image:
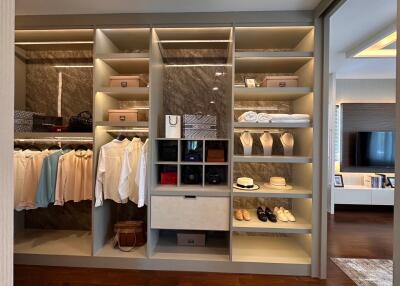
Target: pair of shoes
(284,215)
(241,214)
(265,215)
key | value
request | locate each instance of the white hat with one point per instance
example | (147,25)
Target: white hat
(278,183)
(245,183)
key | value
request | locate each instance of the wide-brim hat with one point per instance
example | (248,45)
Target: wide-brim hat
(246,188)
(286,187)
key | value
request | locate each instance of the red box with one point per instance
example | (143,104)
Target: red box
(169,178)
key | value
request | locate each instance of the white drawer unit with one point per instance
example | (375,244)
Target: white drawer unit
(383,197)
(190,212)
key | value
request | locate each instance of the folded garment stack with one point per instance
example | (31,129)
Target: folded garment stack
(290,118)
(249,116)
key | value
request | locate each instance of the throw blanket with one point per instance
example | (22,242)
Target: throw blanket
(249,116)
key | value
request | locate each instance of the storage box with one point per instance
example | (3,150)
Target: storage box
(280,81)
(126,81)
(23,120)
(44,123)
(197,126)
(187,238)
(121,115)
(169,178)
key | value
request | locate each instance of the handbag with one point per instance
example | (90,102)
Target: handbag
(172,126)
(191,176)
(82,122)
(215,155)
(43,123)
(215,175)
(129,234)
(198,126)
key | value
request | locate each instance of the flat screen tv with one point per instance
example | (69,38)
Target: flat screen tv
(375,150)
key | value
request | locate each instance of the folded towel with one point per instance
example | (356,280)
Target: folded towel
(279,115)
(300,116)
(263,117)
(248,116)
(278,120)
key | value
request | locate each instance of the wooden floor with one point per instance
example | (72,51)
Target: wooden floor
(363,234)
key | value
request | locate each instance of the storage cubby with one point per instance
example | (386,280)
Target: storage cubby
(166,174)
(216,151)
(282,249)
(191,175)
(126,41)
(215,175)
(167,150)
(216,247)
(192,151)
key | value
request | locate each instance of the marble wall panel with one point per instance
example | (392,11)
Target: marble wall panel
(42,80)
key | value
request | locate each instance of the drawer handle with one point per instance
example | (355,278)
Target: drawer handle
(190,197)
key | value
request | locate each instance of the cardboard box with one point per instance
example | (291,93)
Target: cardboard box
(191,238)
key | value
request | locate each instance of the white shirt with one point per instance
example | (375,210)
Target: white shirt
(128,188)
(141,174)
(109,171)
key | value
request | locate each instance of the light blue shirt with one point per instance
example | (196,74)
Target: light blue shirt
(47,181)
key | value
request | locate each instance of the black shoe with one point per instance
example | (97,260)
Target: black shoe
(261,214)
(270,215)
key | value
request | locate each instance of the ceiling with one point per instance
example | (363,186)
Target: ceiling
(355,22)
(58,7)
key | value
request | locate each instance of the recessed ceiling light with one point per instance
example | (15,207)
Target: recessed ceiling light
(215,88)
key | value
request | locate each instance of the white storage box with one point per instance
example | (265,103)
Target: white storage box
(280,81)
(126,81)
(121,115)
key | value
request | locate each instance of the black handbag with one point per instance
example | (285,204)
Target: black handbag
(215,175)
(82,122)
(191,175)
(168,151)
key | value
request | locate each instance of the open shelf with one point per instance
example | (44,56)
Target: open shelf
(263,192)
(271,125)
(57,39)
(126,93)
(293,38)
(41,135)
(122,56)
(272,159)
(207,191)
(283,54)
(140,124)
(264,249)
(270,65)
(122,40)
(126,66)
(270,93)
(216,249)
(255,225)
(109,251)
(53,242)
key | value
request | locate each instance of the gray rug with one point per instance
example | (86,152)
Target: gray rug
(367,272)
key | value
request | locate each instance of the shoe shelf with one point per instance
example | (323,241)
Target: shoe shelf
(187,190)
(263,192)
(265,249)
(271,125)
(255,225)
(272,159)
(270,93)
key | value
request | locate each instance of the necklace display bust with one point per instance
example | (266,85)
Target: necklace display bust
(287,143)
(267,141)
(247,142)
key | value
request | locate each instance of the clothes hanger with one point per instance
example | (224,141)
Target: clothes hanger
(121,137)
(18,147)
(67,147)
(32,148)
(81,148)
(54,147)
